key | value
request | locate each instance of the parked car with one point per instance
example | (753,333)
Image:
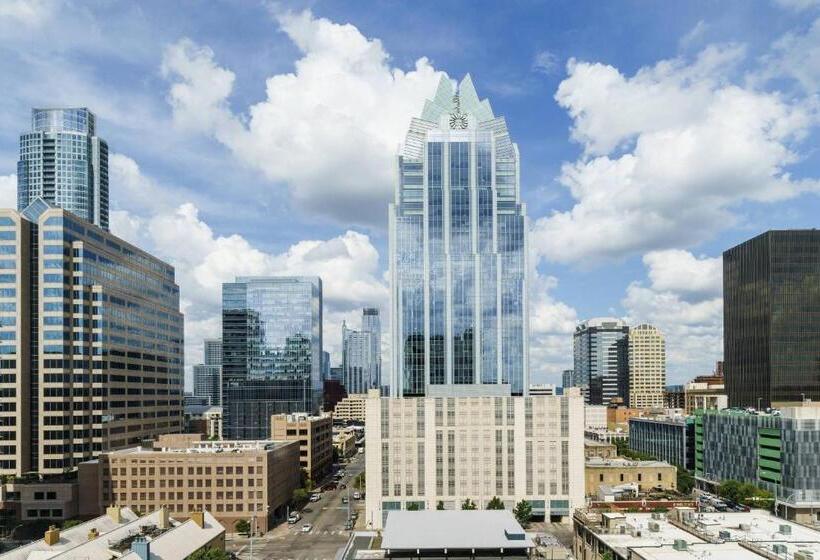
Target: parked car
(349,524)
(344,499)
(294,517)
(330,486)
(315,497)
(306,528)
(307,510)
(357,496)
(342,486)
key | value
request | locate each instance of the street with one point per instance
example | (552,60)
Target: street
(328,518)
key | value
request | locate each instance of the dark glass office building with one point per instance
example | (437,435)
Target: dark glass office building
(271,352)
(771,319)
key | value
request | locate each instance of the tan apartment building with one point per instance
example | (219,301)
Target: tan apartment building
(647,367)
(615,472)
(315,437)
(706,392)
(617,416)
(90,342)
(344,442)
(231,479)
(351,408)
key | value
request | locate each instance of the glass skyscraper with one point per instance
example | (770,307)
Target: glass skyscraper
(271,351)
(601,358)
(771,319)
(458,251)
(65,163)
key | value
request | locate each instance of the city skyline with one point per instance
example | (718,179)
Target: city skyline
(157,199)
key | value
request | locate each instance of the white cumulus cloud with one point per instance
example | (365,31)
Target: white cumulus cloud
(329,130)
(667,154)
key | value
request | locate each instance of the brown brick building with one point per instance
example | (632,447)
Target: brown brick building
(231,479)
(315,437)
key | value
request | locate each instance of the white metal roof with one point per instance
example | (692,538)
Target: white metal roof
(447,529)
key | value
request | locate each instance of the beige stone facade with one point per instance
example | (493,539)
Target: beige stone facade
(108,371)
(420,451)
(600,449)
(351,408)
(233,480)
(615,472)
(647,367)
(344,441)
(706,394)
(315,437)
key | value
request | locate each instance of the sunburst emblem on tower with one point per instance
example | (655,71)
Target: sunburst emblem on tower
(458,120)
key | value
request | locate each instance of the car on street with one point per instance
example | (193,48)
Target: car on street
(349,524)
(315,497)
(307,510)
(344,499)
(307,527)
(357,496)
(342,486)
(294,517)
(330,486)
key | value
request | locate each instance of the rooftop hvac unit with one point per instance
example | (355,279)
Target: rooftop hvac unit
(654,527)
(785,529)
(725,535)
(779,549)
(656,515)
(679,544)
(745,527)
(804,555)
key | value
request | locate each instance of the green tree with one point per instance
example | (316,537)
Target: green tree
(412,506)
(440,505)
(209,553)
(523,512)
(495,503)
(359,482)
(300,495)
(685,481)
(243,527)
(68,523)
(468,504)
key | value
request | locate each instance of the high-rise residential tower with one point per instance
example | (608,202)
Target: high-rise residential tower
(371,322)
(212,352)
(271,351)
(64,162)
(771,326)
(458,252)
(92,342)
(208,375)
(647,367)
(600,357)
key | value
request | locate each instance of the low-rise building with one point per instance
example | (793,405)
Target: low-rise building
(344,441)
(706,392)
(618,416)
(775,450)
(426,450)
(647,475)
(315,437)
(120,533)
(233,480)
(674,396)
(545,389)
(351,408)
(205,420)
(28,500)
(441,534)
(683,534)
(600,449)
(670,439)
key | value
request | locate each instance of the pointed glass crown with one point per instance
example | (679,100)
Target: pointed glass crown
(33,211)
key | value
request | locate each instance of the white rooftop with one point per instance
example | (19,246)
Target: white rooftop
(176,542)
(620,463)
(453,529)
(756,528)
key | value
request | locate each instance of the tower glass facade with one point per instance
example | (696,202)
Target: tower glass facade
(65,163)
(771,318)
(600,358)
(271,351)
(458,250)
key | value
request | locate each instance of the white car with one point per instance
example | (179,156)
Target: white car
(294,517)
(315,497)
(306,528)
(357,496)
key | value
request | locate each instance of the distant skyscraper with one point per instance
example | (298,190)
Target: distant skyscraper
(647,367)
(271,351)
(361,354)
(208,376)
(771,319)
(65,163)
(325,365)
(212,355)
(567,378)
(600,358)
(458,251)
(372,323)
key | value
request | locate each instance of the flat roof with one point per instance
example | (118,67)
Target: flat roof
(621,463)
(756,528)
(452,530)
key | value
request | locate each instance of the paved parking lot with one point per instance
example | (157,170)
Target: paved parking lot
(328,535)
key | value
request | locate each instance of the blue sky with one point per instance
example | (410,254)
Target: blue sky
(258,138)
